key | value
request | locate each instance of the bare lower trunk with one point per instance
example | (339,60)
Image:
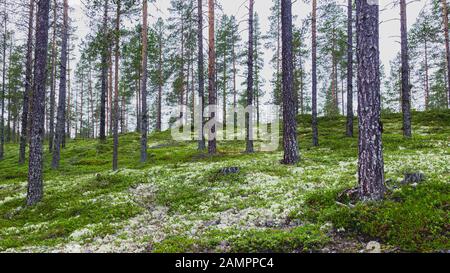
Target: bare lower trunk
(104,75)
(35,168)
(427,82)
(61,118)
(350,115)
(2,122)
(144,113)
(371,164)
(406,93)
(447,45)
(249,115)
(160,87)
(314,75)
(116,90)
(28,85)
(291,154)
(212,149)
(51,129)
(201,76)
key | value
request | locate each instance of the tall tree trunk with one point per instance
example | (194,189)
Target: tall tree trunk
(427,81)
(61,119)
(212,142)
(160,85)
(35,168)
(350,115)
(116,90)
(291,154)
(104,75)
(2,123)
(144,83)
(91,104)
(249,115)
(406,93)
(447,45)
(201,76)
(315,128)
(28,85)
(81,103)
(110,90)
(371,164)
(51,130)
(69,96)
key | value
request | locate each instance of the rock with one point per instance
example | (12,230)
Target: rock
(229,170)
(413,178)
(373,247)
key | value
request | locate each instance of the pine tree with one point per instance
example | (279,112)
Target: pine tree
(406,93)
(61,116)
(144,82)
(291,154)
(35,168)
(371,164)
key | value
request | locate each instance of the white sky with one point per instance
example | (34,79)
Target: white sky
(389,18)
(389,28)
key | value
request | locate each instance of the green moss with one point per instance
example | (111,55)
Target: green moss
(85,194)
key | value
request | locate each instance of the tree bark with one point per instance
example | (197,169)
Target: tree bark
(406,93)
(61,118)
(447,45)
(201,76)
(315,128)
(291,154)
(350,116)
(51,130)
(104,76)
(116,90)
(249,115)
(35,168)
(371,164)
(28,85)
(212,143)
(2,122)
(160,85)
(144,83)
(427,81)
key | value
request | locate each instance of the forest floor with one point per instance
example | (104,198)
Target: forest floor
(180,202)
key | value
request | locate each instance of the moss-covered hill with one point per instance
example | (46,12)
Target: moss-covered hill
(179,202)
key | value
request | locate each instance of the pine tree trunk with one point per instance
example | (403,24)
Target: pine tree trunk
(406,93)
(116,90)
(315,128)
(61,118)
(81,103)
(144,113)
(350,116)
(201,76)
(28,85)
(35,168)
(249,115)
(447,45)
(427,81)
(104,75)
(160,86)
(110,90)
(212,143)
(291,154)
(69,97)
(2,122)
(51,130)
(371,164)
